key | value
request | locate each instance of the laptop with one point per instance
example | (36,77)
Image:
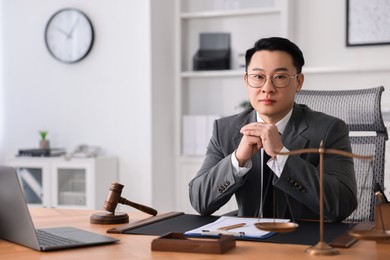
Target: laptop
(16,224)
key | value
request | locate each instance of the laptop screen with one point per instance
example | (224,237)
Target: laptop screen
(16,224)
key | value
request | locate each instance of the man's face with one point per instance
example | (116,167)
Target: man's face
(270,102)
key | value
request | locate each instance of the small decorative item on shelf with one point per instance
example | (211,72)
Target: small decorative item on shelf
(43,143)
(241,60)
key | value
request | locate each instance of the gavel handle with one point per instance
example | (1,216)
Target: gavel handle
(138,206)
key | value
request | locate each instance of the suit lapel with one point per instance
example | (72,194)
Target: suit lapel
(251,117)
(292,138)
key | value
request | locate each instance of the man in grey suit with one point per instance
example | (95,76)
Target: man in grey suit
(286,186)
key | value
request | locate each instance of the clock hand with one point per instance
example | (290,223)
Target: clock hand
(63,32)
(74,26)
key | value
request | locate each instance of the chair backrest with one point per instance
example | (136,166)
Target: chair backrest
(361,111)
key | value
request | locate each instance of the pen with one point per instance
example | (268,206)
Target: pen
(232,226)
(222,232)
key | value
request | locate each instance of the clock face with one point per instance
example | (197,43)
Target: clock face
(69,35)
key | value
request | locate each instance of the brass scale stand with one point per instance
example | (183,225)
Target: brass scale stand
(321,248)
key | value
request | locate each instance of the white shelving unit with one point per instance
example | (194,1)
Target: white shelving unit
(216,92)
(56,182)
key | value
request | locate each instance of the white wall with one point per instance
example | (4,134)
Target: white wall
(320,31)
(2,98)
(162,54)
(104,100)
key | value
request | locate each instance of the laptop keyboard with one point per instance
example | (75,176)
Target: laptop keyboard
(47,239)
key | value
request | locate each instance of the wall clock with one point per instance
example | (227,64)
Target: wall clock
(69,35)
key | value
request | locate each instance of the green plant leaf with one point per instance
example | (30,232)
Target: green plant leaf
(43,134)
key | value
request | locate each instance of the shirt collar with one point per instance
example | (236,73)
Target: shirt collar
(281,124)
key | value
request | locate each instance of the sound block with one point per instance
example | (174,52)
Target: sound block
(109,218)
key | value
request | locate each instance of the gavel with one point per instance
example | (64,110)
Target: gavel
(114,197)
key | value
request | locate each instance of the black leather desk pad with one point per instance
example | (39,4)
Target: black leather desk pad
(306,234)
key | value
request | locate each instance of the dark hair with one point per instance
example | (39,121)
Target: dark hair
(277,44)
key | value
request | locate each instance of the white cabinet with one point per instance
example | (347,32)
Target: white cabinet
(216,92)
(74,183)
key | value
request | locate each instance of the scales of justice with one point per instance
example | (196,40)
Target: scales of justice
(322,248)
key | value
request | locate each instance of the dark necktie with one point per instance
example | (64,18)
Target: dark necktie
(267,188)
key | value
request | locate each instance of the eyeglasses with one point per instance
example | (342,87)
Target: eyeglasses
(279,80)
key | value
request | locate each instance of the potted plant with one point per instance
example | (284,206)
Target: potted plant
(245,105)
(44,143)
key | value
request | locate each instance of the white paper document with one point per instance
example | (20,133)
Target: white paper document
(247,229)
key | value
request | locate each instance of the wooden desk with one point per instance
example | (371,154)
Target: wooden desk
(139,246)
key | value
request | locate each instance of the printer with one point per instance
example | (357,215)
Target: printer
(214,52)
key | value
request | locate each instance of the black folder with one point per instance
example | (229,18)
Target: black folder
(306,234)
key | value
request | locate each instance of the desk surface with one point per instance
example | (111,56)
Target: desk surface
(139,246)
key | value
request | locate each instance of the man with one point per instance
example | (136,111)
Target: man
(287,186)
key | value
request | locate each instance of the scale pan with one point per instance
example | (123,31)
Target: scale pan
(370,234)
(277,226)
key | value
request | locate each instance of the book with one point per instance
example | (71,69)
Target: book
(42,152)
(197,131)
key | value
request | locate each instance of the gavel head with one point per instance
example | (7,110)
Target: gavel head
(113,197)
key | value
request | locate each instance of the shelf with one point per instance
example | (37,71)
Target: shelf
(227,13)
(212,73)
(67,198)
(215,92)
(307,70)
(351,69)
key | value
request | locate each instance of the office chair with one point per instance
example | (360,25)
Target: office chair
(361,111)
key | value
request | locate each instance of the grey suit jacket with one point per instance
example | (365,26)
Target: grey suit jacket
(297,189)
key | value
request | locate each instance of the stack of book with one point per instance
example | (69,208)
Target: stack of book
(197,130)
(42,152)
